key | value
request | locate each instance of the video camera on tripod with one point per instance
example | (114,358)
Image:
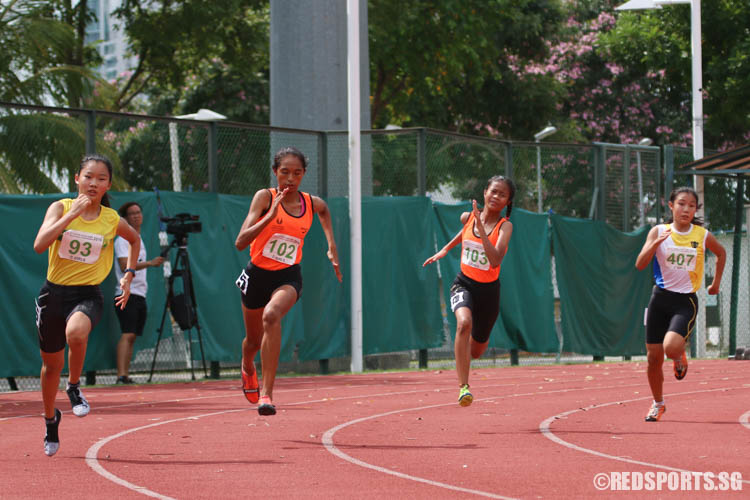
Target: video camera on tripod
(182,224)
(182,304)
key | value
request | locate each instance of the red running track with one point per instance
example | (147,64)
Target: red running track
(532,432)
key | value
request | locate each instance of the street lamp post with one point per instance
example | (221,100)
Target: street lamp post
(697,84)
(697,75)
(547,131)
(174,144)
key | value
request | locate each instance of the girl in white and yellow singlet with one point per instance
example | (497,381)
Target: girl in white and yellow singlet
(475,293)
(78,234)
(275,228)
(679,248)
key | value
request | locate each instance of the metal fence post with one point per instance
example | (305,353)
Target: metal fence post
(668,175)
(601,174)
(91,132)
(213,158)
(509,160)
(626,190)
(422,162)
(736,256)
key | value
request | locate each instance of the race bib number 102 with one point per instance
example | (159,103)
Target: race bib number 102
(80,246)
(282,248)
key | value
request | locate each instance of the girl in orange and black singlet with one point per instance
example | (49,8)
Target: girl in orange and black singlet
(475,293)
(275,228)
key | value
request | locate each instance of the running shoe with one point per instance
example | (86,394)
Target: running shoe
(250,386)
(265,407)
(77,401)
(124,379)
(51,438)
(681,366)
(465,398)
(655,413)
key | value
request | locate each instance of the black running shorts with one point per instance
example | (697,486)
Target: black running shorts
(133,317)
(482,298)
(258,284)
(54,306)
(670,312)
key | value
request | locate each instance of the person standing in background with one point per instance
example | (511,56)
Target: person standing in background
(133,316)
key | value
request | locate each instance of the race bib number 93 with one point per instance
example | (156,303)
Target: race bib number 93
(80,246)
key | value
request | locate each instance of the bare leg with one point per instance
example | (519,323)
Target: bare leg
(281,302)
(52,365)
(124,353)
(655,356)
(253,336)
(77,334)
(461,345)
(477,349)
(674,345)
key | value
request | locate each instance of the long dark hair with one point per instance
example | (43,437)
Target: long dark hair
(289,150)
(511,186)
(685,189)
(101,159)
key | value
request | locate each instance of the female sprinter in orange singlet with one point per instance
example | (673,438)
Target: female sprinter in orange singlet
(475,293)
(275,229)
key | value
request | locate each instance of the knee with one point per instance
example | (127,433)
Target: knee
(77,338)
(251,344)
(463,327)
(655,359)
(52,368)
(271,316)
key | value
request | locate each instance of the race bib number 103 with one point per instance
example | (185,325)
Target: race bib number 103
(473,255)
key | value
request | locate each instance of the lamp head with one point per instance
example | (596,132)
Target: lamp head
(547,131)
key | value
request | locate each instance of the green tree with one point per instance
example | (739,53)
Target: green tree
(448,64)
(45,61)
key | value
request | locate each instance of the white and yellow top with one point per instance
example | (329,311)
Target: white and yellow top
(678,266)
(83,254)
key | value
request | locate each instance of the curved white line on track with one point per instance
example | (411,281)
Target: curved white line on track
(544,427)
(93,462)
(745,419)
(327,440)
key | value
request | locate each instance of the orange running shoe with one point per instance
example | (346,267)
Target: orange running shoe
(250,386)
(655,413)
(266,407)
(681,366)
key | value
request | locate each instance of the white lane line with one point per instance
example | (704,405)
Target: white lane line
(544,427)
(745,419)
(93,462)
(327,440)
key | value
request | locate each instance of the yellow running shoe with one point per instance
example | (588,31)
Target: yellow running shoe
(465,398)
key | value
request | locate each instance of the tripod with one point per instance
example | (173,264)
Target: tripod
(183,306)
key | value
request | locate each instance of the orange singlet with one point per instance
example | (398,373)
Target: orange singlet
(279,244)
(474,262)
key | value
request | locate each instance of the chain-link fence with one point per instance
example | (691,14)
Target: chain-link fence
(624,185)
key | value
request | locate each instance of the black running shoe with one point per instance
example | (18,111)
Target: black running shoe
(77,401)
(51,438)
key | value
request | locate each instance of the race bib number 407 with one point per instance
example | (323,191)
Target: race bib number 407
(472,254)
(682,258)
(282,248)
(80,246)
